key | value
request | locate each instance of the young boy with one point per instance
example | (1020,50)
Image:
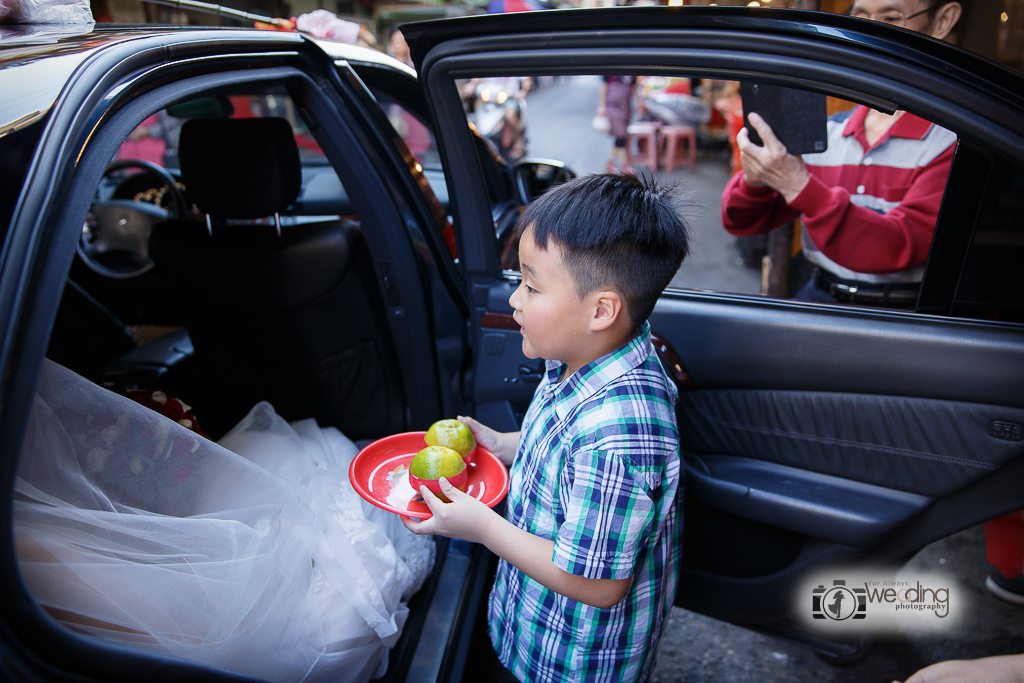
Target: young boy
(590,543)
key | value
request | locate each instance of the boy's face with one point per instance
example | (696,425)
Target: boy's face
(552,317)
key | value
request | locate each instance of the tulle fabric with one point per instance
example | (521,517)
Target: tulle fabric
(254,555)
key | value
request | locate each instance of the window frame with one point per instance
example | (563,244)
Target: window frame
(886,78)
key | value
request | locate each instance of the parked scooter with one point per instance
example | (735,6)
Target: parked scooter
(497,107)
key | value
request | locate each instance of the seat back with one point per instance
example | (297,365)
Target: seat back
(290,314)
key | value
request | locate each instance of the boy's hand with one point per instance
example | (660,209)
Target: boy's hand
(464,517)
(467,518)
(503,445)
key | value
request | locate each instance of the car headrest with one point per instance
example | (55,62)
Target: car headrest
(240,168)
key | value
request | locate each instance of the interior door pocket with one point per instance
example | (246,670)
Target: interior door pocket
(818,505)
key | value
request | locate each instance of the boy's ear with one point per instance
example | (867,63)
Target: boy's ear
(608,308)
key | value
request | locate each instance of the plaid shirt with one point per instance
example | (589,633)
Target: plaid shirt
(597,471)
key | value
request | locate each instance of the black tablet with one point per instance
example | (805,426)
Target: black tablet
(797,117)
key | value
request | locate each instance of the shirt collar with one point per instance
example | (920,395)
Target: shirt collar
(595,375)
(907,126)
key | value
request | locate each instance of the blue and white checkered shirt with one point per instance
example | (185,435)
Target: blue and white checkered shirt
(597,471)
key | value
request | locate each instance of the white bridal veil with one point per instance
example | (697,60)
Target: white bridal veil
(254,554)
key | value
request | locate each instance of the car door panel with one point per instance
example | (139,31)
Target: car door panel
(505,379)
(729,342)
(821,436)
(823,467)
(841,465)
(813,435)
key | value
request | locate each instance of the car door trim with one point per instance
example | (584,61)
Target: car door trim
(897,83)
(954,228)
(955,360)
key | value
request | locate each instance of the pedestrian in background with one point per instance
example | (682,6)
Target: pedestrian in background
(870,201)
(615,103)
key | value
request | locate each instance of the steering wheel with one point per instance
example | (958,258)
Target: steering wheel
(115,243)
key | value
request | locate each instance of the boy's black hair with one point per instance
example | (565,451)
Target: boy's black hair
(620,231)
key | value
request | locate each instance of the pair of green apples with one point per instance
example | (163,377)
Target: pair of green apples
(450,447)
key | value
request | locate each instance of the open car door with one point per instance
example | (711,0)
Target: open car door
(816,436)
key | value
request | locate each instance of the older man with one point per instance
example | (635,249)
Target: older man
(869,203)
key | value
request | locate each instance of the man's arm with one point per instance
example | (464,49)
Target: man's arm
(470,520)
(754,201)
(853,236)
(898,239)
(753,210)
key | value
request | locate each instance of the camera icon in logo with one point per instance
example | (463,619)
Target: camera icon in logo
(839,603)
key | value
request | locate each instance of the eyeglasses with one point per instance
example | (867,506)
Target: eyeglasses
(891,17)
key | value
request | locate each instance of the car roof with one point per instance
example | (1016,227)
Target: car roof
(360,54)
(29,42)
(38,60)
(38,41)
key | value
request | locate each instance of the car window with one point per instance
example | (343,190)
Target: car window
(862,233)
(137,179)
(17,144)
(418,136)
(992,284)
(156,138)
(155,141)
(414,131)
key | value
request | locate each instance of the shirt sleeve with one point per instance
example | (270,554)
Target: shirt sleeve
(752,209)
(608,518)
(896,240)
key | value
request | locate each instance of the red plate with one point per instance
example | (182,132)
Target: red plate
(380,474)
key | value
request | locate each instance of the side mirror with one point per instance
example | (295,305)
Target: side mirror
(534,177)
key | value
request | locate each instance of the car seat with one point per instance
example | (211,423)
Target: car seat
(291,314)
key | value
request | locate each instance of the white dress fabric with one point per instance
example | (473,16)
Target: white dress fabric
(254,555)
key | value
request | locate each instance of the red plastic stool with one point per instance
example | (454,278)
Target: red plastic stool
(646,136)
(671,154)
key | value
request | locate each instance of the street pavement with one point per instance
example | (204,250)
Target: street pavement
(559,115)
(698,648)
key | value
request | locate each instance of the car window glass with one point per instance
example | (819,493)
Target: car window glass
(17,145)
(991,286)
(414,131)
(872,197)
(135,181)
(156,138)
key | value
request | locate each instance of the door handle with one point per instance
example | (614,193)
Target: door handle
(531,375)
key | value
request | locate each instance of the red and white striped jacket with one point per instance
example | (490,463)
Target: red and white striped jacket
(868,211)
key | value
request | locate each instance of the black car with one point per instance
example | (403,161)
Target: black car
(815,435)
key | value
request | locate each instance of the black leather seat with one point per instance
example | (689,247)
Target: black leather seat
(289,314)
